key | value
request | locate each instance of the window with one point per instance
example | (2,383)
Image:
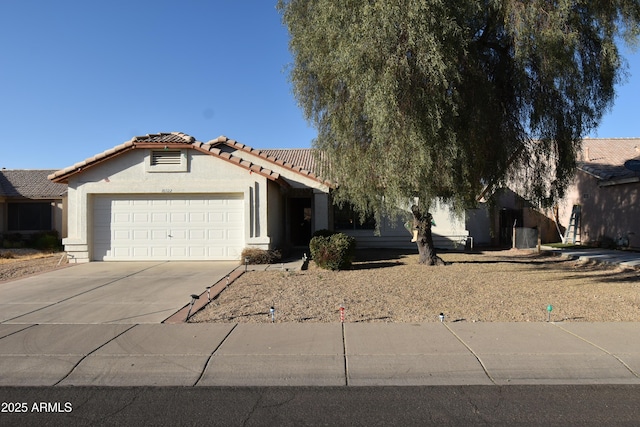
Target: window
(346,218)
(29,216)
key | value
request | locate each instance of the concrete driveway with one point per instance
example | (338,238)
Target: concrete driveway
(108,292)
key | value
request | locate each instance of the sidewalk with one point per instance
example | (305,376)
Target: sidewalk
(329,354)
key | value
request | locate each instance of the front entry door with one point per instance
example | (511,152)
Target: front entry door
(300,220)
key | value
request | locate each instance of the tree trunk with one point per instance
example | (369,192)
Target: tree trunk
(424,240)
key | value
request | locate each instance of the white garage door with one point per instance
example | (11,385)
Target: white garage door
(168,227)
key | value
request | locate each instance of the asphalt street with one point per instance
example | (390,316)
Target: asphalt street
(586,405)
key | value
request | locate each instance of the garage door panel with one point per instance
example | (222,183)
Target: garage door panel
(122,218)
(159,217)
(234,234)
(197,234)
(141,217)
(197,217)
(178,234)
(178,227)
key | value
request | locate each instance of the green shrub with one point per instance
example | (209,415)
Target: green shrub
(48,240)
(323,232)
(333,252)
(260,256)
(13,241)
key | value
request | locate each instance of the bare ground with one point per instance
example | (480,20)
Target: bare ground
(390,286)
(18,263)
(383,286)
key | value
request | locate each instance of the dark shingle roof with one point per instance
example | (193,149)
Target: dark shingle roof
(31,184)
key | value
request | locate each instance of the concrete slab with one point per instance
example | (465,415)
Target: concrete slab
(151,355)
(556,369)
(59,339)
(103,292)
(400,338)
(408,354)
(539,353)
(279,354)
(6,330)
(35,370)
(10,312)
(284,339)
(631,361)
(36,289)
(415,370)
(615,337)
(164,340)
(519,337)
(274,370)
(141,370)
(72,312)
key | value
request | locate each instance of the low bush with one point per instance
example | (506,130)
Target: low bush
(323,233)
(48,240)
(260,256)
(334,252)
(13,241)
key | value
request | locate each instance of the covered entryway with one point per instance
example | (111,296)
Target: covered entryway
(168,227)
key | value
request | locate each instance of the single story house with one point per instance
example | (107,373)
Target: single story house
(30,203)
(168,196)
(607,190)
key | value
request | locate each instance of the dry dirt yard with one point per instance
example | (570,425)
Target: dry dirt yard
(501,286)
(17,263)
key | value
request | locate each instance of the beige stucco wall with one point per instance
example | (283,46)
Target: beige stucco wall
(611,211)
(129,174)
(449,232)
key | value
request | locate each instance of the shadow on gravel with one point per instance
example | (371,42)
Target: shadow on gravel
(372,255)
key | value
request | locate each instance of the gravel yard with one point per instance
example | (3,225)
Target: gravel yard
(388,286)
(383,286)
(17,263)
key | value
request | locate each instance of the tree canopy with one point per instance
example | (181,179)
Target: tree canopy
(440,98)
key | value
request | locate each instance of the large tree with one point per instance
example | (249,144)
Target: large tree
(438,99)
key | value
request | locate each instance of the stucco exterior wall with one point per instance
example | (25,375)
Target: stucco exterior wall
(610,211)
(129,174)
(449,232)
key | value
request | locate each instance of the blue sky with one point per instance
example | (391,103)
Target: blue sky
(79,77)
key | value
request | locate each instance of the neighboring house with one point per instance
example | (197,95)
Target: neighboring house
(606,187)
(168,196)
(30,203)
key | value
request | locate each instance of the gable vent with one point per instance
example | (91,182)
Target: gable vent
(165,158)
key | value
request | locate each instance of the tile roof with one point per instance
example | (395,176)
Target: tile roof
(605,158)
(165,138)
(299,160)
(31,184)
